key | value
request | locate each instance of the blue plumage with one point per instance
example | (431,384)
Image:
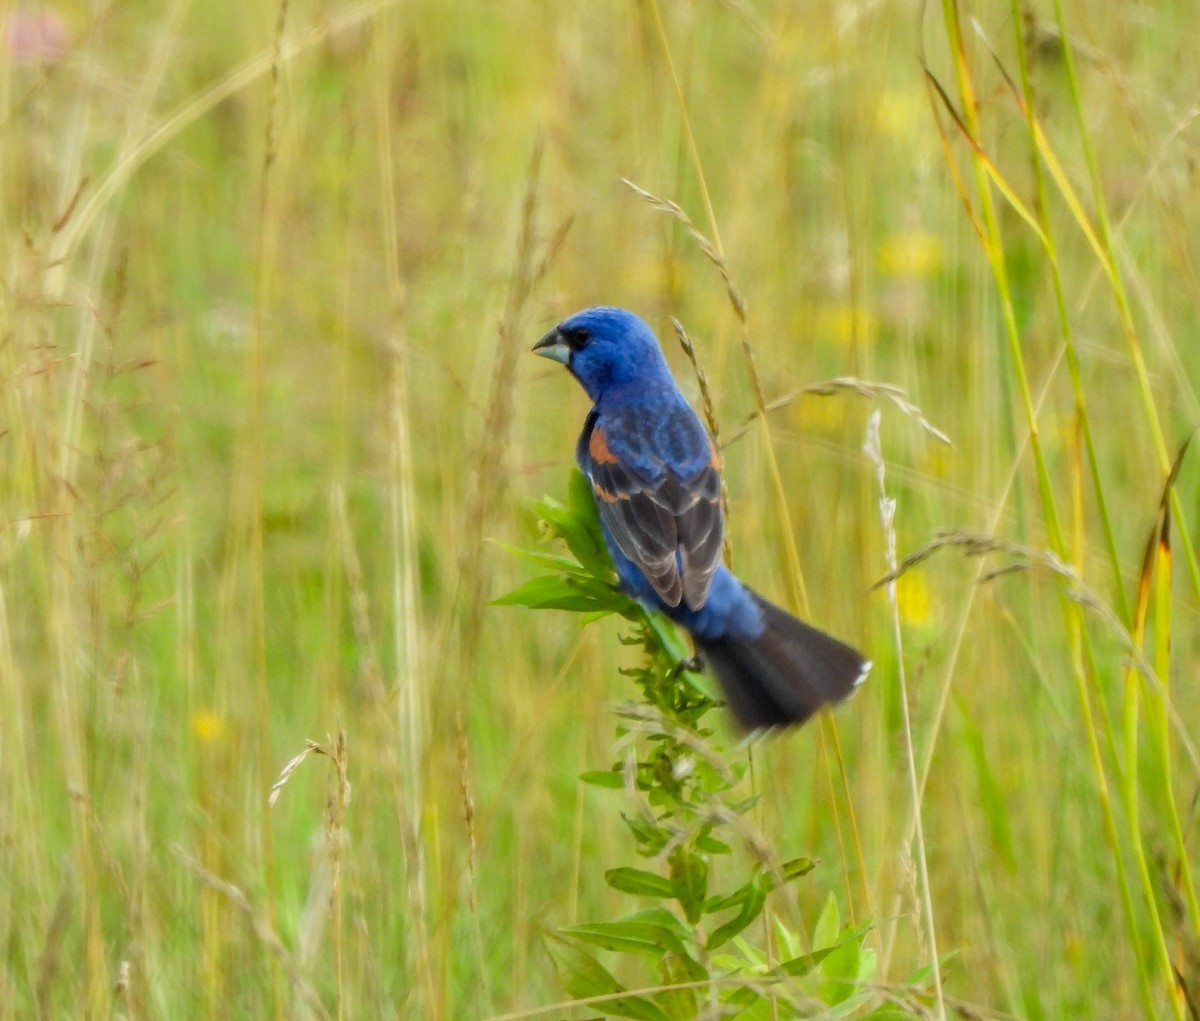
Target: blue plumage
(655,473)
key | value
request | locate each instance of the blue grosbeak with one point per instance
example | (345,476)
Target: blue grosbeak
(655,474)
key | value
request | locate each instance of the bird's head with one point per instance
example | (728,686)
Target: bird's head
(605,348)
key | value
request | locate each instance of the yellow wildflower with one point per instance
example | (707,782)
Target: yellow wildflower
(913,600)
(914,254)
(207,725)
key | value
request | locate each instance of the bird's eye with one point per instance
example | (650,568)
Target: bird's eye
(577,338)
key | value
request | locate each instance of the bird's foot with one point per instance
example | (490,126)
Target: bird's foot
(692,666)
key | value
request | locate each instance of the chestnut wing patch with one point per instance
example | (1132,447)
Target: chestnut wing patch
(668,524)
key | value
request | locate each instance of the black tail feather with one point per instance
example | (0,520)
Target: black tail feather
(787,673)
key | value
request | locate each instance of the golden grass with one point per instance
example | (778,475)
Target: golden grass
(266,285)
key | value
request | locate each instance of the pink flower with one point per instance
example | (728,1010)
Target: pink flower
(35,35)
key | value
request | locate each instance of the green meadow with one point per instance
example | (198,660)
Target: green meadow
(270,433)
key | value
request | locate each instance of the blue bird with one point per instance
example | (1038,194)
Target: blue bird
(655,474)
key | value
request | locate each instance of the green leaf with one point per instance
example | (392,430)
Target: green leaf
(673,645)
(582,502)
(825,933)
(805,963)
(753,901)
(562,592)
(674,970)
(770,881)
(629,935)
(839,973)
(652,837)
(923,974)
(744,806)
(667,919)
(742,997)
(711,845)
(640,882)
(578,525)
(790,870)
(790,944)
(603,778)
(693,969)
(689,877)
(802,965)
(559,563)
(730,900)
(868,961)
(584,977)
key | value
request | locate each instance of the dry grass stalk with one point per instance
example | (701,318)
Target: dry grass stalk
(261,926)
(1026,558)
(873,448)
(710,250)
(867,388)
(710,416)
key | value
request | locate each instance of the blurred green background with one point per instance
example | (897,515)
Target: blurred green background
(269,279)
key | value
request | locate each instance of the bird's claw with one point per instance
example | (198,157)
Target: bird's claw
(692,666)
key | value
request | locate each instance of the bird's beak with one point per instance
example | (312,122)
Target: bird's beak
(553,346)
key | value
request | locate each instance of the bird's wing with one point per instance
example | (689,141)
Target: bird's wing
(666,519)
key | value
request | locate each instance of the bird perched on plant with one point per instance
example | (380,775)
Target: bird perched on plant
(655,473)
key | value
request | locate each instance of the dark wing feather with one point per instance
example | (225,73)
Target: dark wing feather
(701,535)
(670,526)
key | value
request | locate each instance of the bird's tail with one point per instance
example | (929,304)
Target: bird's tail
(787,673)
